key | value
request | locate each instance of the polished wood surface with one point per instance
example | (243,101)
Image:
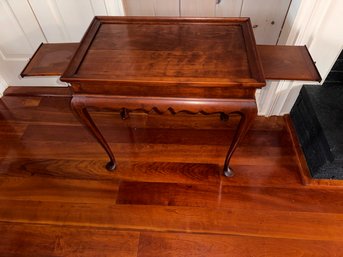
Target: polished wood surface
(50,59)
(56,200)
(158,51)
(288,63)
(278,62)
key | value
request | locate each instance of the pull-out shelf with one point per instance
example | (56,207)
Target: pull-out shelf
(278,62)
(50,59)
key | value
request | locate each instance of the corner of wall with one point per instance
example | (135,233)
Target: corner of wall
(3,86)
(315,24)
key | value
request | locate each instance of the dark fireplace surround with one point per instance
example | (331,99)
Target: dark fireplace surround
(318,120)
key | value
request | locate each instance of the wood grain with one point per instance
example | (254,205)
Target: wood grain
(136,135)
(58,190)
(45,240)
(142,152)
(234,221)
(93,170)
(288,63)
(156,50)
(191,245)
(229,196)
(278,62)
(50,59)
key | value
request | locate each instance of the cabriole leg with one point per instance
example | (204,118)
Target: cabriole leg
(80,109)
(247,118)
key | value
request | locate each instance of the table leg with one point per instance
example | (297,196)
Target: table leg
(247,118)
(80,109)
(246,108)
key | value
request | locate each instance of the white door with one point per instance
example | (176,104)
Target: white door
(267,16)
(20,36)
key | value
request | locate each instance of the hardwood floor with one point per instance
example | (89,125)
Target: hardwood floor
(167,197)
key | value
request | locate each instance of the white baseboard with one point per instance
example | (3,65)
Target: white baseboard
(3,86)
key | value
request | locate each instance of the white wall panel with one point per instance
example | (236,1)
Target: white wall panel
(3,85)
(98,7)
(50,20)
(76,16)
(114,7)
(167,8)
(27,21)
(229,8)
(20,33)
(20,37)
(67,20)
(10,70)
(151,7)
(267,17)
(198,8)
(13,42)
(139,7)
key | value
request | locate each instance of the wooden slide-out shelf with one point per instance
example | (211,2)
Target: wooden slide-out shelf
(278,62)
(287,63)
(50,59)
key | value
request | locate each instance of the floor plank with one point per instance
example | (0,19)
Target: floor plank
(167,172)
(191,173)
(142,152)
(153,136)
(192,245)
(58,190)
(11,131)
(27,240)
(226,197)
(261,223)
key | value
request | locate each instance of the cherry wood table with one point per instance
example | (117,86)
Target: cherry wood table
(193,65)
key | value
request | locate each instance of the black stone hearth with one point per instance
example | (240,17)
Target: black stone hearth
(318,120)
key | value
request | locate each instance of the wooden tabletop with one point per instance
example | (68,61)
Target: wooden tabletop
(133,50)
